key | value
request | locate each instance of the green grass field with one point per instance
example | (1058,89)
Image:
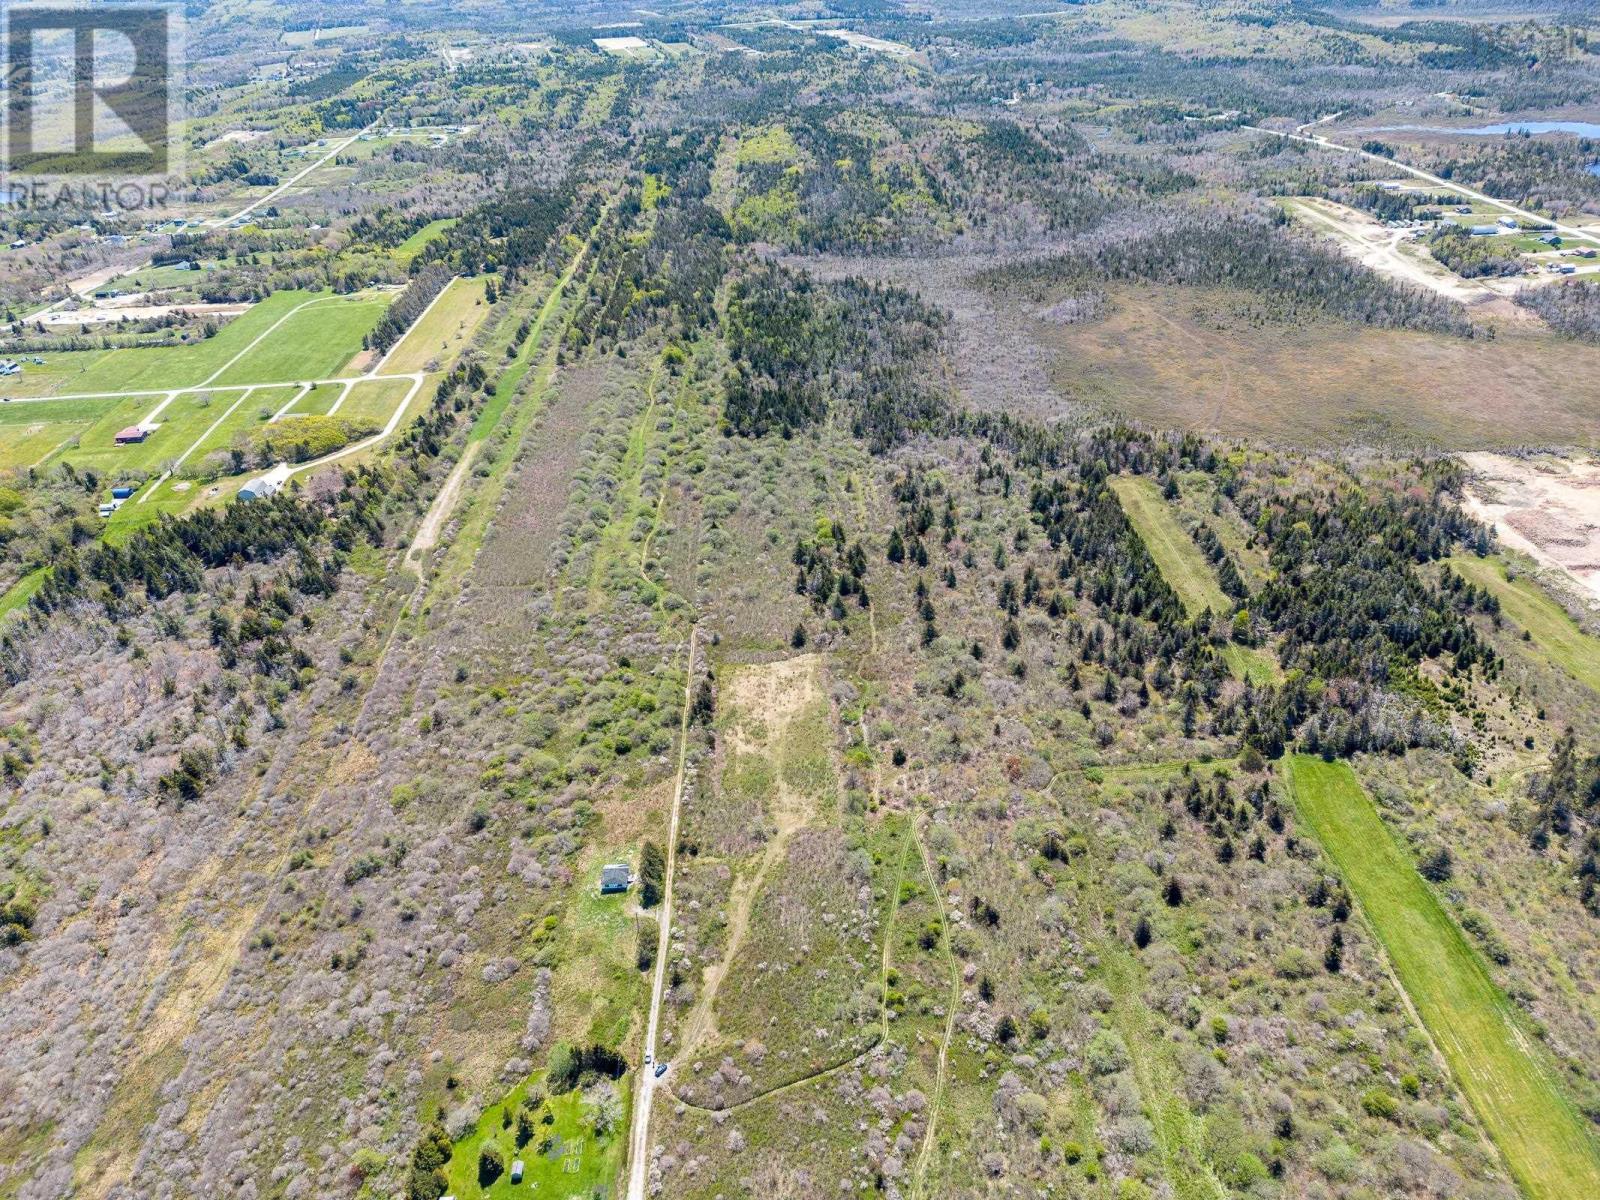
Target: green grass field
(313,343)
(1548,1147)
(412,246)
(316,341)
(1531,607)
(442,334)
(373,403)
(25,443)
(576,1162)
(1184,568)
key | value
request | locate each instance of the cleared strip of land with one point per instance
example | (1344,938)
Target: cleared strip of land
(1544,1141)
(1531,607)
(1184,568)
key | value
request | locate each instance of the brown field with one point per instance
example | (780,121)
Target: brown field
(1211,360)
(1181,357)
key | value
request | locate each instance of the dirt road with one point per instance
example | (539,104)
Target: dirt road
(639,1135)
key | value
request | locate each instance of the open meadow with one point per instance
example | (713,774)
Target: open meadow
(1550,1150)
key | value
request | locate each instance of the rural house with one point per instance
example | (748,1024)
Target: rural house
(614,878)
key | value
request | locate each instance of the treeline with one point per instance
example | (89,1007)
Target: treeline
(1536,172)
(1571,307)
(799,348)
(1566,806)
(512,232)
(1257,253)
(423,289)
(1472,257)
(1351,615)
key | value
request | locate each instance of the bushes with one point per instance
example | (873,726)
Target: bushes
(568,1065)
(300,439)
(1572,307)
(426,1179)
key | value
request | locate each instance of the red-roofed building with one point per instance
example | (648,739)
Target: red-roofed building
(133,433)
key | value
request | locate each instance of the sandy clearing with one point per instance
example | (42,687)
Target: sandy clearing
(770,697)
(1546,506)
(1389,252)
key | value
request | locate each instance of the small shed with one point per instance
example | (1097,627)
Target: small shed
(122,491)
(516,1171)
(132,434)
(614,878)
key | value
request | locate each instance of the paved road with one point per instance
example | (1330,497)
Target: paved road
(1570,231)
(644,1097)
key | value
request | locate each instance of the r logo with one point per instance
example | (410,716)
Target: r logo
(88,90)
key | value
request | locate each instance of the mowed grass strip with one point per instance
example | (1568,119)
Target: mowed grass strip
(444,332)
(1185,568)
(1546,1144)
(1175,552)
(1532,608)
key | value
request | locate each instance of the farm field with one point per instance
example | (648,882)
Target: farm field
(291,336)
(29,438)
(443,332)
(316,342)
(1523,601)
(372,403)
(269,344)
(1546,1144)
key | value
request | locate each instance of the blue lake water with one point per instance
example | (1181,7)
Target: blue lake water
(1589,129)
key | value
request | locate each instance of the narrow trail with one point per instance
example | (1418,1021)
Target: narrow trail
(660,509)
(888,929)
(441,508)
(627,495)
(953,1006)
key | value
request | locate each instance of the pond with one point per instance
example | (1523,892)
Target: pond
(1588,129)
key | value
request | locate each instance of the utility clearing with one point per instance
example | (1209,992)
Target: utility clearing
(1531,607)
(1184,568)
(768,703)
(1500,1067)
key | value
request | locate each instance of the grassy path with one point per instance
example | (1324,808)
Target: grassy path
(1184,568)
(1179,1131)
(1545,1143)
(952,1006)
(1531,607)
(22,591)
